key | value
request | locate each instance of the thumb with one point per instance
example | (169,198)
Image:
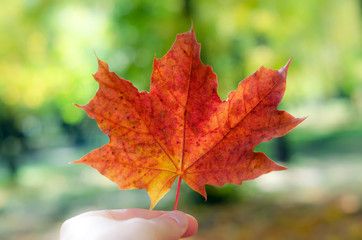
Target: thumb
(170,226)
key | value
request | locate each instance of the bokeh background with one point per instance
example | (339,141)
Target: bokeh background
(47,56)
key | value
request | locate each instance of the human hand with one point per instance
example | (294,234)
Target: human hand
(129,224)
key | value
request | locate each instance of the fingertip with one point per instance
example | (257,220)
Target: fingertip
(179,217)
(192,226)
(185,221)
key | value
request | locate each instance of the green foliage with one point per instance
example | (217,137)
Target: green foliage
(47,51)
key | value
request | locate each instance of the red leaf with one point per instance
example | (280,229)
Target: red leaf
(182,129)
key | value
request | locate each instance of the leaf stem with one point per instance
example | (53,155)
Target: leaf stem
(178,191)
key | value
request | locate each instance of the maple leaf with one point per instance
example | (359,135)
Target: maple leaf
(181,128)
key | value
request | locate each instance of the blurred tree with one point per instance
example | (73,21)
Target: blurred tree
(12,141)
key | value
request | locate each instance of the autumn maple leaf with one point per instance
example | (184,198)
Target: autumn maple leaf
(182,129)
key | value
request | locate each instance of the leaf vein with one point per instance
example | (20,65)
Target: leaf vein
(230,129)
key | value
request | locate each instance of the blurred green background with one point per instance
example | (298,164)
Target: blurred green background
(46,61)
